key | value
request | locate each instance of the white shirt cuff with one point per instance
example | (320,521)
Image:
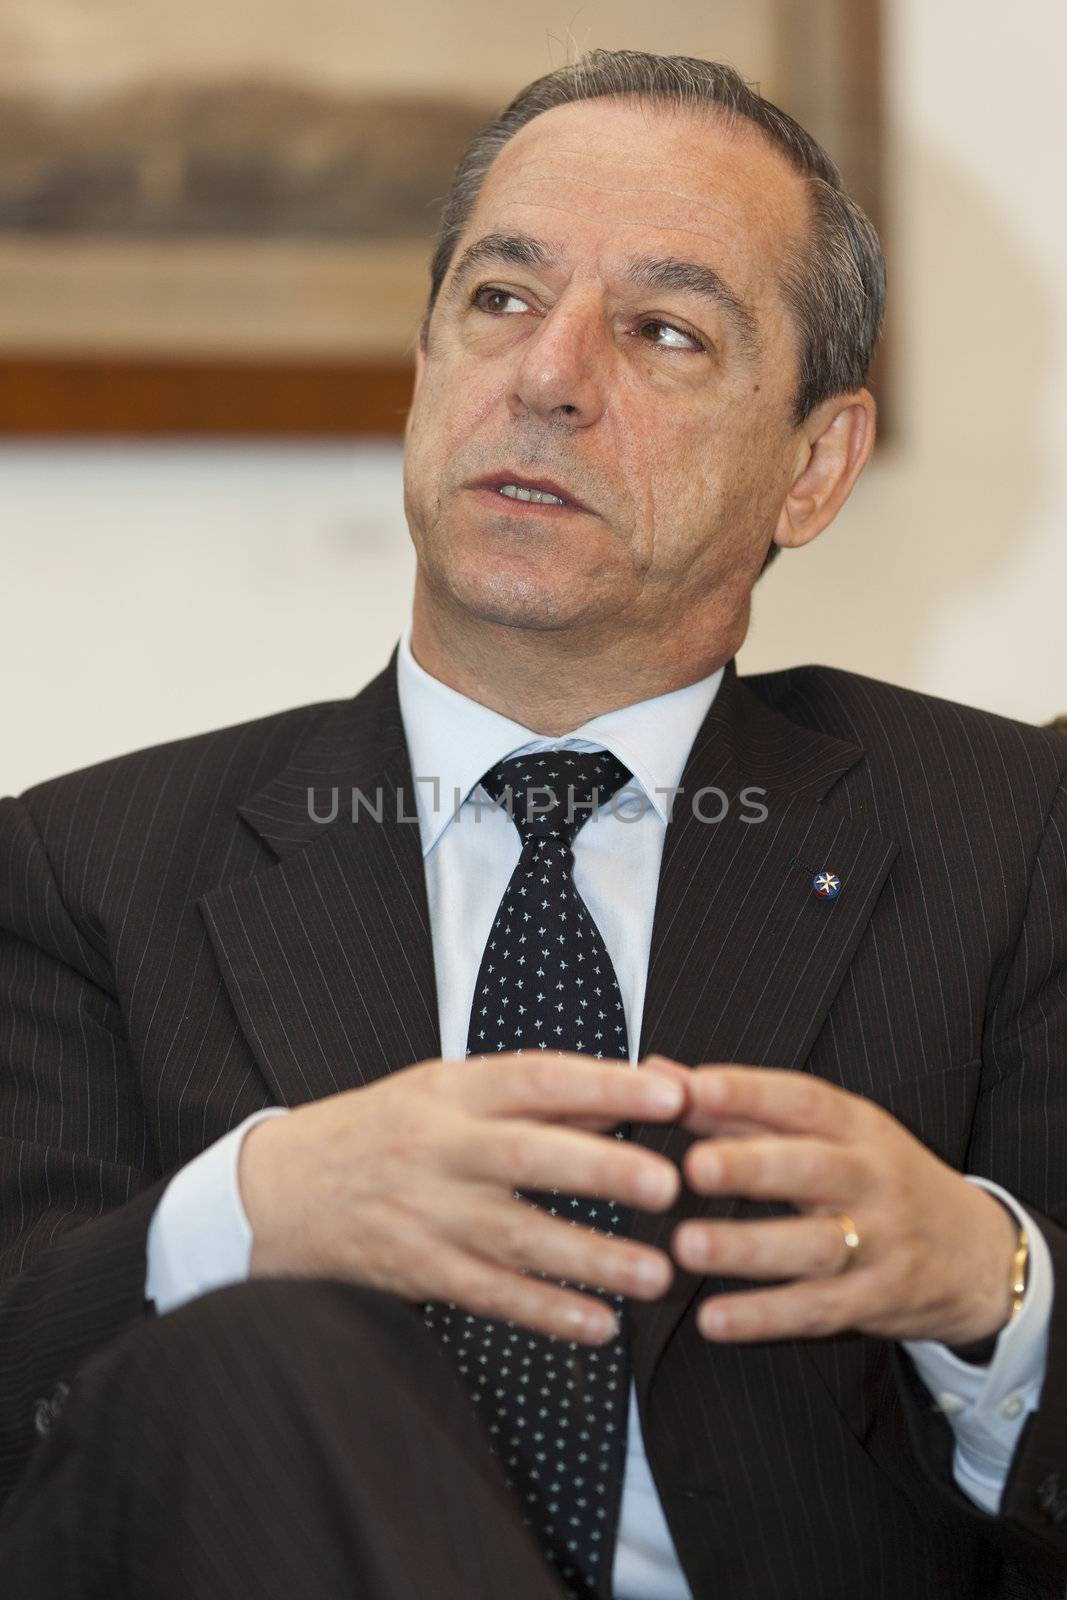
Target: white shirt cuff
(199,1238)
(987,1407)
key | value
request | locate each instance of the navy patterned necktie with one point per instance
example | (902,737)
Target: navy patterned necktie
(555,1409)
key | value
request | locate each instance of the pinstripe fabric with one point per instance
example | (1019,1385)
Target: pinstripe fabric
(183,943)
(163,1413)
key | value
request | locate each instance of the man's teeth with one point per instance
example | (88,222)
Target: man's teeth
(513,492)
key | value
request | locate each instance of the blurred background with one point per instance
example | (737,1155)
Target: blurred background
(215,222)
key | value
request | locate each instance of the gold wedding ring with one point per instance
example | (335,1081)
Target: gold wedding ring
(851,1238)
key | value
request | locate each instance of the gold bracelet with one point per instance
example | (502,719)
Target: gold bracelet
(1019,1263)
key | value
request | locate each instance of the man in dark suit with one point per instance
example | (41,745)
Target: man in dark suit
(321,1274)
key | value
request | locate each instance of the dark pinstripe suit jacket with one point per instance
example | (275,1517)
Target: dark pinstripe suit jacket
(181,944)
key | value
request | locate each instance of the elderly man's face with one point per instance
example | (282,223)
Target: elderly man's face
(584,350)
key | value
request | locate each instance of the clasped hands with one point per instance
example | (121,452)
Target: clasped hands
(412,1183)
(935,1251)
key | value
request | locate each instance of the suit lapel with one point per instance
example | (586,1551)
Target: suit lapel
(745,958)
(326,953)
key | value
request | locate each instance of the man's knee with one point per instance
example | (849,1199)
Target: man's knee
(281,1324)
(267,1337)
(256,1393)
(270,1312)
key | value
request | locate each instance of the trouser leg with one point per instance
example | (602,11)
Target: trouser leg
(282,1439)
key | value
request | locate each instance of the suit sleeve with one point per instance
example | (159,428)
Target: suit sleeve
(988,1403)
(200,1238)
(1019,1140)
(78,1173)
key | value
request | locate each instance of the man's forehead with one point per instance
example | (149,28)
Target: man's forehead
(609,162)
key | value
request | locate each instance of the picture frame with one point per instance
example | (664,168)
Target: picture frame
(147,297)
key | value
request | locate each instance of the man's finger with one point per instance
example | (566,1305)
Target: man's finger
(790,1102)
(803,1171)
(810,1310)
(784,1247)
(555,1084)
(700,1122)
(667,1068)
(513,1233)
(493,1291)
(530,1156)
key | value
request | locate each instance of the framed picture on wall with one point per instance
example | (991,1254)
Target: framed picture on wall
(219,221)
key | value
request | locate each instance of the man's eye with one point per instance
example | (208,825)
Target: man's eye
(678,339)
(502,303)
(484,300)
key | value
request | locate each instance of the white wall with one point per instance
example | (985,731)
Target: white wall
(948,570)
(153,592)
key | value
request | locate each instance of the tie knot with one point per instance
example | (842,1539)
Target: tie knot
(552,793)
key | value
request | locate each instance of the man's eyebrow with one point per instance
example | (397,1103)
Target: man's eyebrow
(665,273)
(503,249)
(696,277)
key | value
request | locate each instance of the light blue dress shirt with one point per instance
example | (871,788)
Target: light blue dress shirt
(199,1238)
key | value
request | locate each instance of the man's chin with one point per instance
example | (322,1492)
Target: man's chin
(536,614)
(511,602)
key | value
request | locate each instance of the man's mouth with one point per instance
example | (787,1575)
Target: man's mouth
(541,496)
(543,493)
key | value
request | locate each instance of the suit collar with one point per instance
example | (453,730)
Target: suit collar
(454,740)
(740,740)
(358,746)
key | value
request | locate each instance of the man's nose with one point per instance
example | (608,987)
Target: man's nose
(563,368)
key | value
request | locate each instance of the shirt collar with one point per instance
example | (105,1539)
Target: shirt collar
(455,740)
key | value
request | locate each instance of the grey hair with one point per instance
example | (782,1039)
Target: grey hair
(834,286)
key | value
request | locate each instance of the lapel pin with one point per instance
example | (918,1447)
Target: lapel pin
(827,885)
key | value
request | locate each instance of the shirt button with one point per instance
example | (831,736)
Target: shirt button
(950,1404)
(1011,1407)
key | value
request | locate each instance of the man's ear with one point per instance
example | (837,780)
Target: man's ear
(420,367)
(834,446)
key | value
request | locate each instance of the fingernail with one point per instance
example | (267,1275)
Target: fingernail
(596,1323)
(709,1167)
(714,1089)
(650,1274)
(662,1094)
(603,1327)
(655,1187)
(687,1246)
(712,1320)
(593,1324)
